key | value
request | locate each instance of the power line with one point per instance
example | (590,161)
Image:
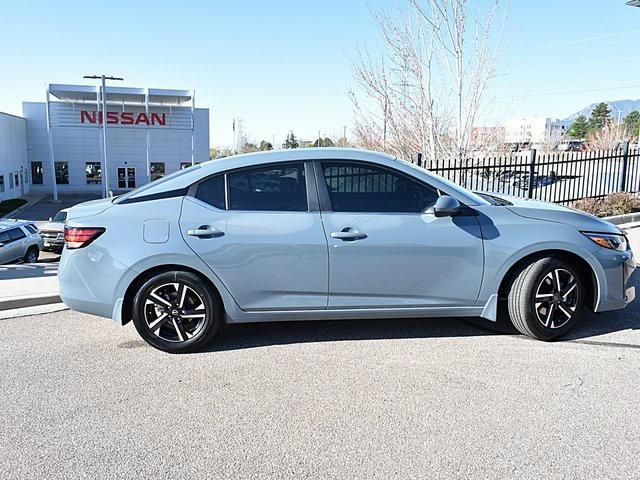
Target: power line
(573,42)
(567,92)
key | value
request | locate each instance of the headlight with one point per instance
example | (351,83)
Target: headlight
(608,240)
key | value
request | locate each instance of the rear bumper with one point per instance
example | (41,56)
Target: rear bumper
(88,279)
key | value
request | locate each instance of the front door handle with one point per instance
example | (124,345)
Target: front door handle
(205,231)
(348,234)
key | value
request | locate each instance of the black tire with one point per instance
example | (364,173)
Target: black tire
(537,307)
(176,333)
(32,255)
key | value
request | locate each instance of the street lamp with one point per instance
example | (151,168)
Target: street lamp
(104,126)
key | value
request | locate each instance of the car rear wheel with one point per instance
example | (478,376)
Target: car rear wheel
(32,255)
(175,312)
(546,298)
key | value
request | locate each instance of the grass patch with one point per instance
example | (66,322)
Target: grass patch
(8,206)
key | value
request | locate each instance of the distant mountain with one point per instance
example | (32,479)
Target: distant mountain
(622,107)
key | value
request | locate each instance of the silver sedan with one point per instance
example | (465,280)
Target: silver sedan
(313,234)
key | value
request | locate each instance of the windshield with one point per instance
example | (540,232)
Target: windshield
(493,200)
(60,217)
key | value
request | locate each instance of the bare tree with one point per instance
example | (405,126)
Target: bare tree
(424,91)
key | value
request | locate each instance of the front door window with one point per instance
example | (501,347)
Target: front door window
(126,178)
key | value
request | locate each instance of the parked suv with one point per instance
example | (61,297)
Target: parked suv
(53,232)
(329,233)
(19,241)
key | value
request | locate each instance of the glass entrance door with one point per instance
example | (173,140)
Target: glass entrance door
(126,178)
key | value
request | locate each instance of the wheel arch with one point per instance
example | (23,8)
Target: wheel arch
(138,281)
(586,272)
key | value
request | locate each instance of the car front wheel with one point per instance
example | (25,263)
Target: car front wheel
(176,312)
(546,298)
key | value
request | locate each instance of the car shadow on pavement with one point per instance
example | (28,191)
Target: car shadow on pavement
(254,335)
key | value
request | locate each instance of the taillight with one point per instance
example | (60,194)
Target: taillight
(78,237)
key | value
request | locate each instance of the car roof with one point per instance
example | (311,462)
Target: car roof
(12,223)
(184,178)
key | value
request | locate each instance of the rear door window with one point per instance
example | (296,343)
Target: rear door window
(279,188)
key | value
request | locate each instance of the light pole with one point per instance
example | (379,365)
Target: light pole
(635,3)
(104,126)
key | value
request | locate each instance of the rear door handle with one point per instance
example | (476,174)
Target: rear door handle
(205,231)
(348,234)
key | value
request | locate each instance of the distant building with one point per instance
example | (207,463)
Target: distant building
(534,130)
(14,166)
(487,136)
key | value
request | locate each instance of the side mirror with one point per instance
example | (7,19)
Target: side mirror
(51,219)
(1,244)
(446,206)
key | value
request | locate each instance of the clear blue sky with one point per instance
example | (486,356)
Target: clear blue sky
(286,64)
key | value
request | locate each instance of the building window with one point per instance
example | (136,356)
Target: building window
(16,179)
(62,173)
(93,172)
(36,173)
(184,165)
(1,183)
(157,170)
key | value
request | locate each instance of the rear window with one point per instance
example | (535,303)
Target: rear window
(211,191)
(31,228)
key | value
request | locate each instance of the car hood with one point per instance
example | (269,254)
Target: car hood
(87,209)
(52,227)
(559,213)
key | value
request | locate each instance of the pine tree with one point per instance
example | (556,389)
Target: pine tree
(632,122)
(600,117)
(579,128)
(291,141)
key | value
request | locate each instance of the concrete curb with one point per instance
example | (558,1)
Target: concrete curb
(625,218)
(13,303)
(30,203)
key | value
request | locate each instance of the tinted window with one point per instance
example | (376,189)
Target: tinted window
(16,234)
(364,188)
(272,188)
(31,228)
(4,237)
(211,191)
(60,217)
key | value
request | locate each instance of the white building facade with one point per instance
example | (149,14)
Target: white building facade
(149,133)
(533,130)
(13,157)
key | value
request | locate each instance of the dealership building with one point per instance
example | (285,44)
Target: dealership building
(57,145)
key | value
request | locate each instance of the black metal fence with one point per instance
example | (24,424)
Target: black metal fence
(561,177)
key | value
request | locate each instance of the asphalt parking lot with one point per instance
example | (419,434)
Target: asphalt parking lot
(84,398)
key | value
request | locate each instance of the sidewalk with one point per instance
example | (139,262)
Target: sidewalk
(27,285)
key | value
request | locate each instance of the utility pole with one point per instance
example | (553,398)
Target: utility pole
(635,3)
(344,135)
(104,78)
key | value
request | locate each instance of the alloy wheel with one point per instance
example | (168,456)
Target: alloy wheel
(32,257)
(556,298)
(174,312)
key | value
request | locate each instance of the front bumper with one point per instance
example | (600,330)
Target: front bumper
(616,293)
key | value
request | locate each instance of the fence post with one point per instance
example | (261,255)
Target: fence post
(622,179)
(419,159)
(532,171)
